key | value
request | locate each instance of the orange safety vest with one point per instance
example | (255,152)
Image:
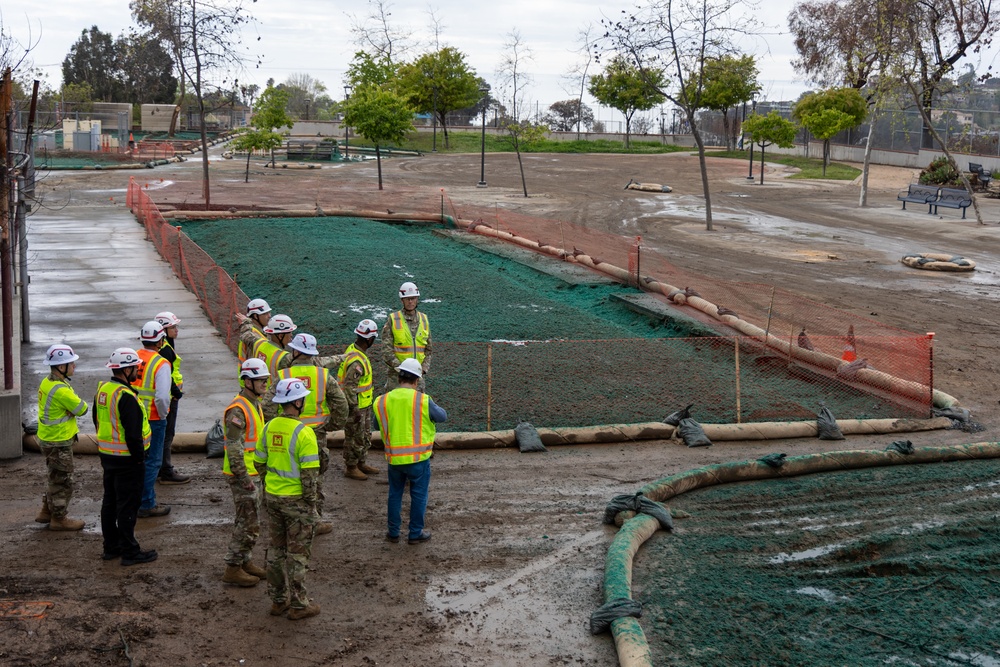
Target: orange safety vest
(145,384)
(254,423)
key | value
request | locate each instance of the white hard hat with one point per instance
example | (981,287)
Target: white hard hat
(167,319)
(151,332)
(290,389)
(407,290)
(59,354)
(258,307)
(411,366)
(280,324)
(254,369)
(367,329)
(304,343)
(123,357)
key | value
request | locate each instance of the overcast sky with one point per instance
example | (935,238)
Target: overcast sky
(313,36)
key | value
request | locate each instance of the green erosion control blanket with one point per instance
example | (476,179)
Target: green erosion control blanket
(897,565)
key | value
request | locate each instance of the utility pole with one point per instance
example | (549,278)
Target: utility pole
(6,270)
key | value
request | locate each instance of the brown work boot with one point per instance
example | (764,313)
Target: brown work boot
(297,614)
(44,515)
(352,472)
(254,570)
(324,528)
(65,523)
(279,608)
(367,469)
(235,575)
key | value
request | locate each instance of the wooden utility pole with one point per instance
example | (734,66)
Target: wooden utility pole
(6,268)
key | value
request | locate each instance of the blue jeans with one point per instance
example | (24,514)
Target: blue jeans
(154,459)
(419,476)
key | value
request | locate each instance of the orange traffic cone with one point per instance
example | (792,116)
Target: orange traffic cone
(850,349)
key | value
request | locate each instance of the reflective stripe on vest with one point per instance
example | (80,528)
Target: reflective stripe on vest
(175,367)
(404,420)
(287,446)
(254,419)
(55,422)
(145,384)
(270,354)
(110,436)
(403,343)
(314,408)
(365,391)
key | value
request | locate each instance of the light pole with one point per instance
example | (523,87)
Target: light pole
(347,130)
(484,90)
(753,110)
(308,102)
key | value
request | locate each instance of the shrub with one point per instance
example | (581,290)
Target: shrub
(940,172)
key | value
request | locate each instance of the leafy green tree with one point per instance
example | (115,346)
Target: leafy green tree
(439,82)
(624,87)
(93,60)
(728,81)
(77,97)
(146,70)
(767,130)
(565,115)
(828,112)
(366,69)
(381,116)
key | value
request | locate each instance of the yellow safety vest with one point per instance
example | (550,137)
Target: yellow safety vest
(58,408)
(403,343)
(145,384)
(404,420)
(110,436)
(314,409)
(254,419)
(287,446)
(353,354)
(270,354)
(175,368)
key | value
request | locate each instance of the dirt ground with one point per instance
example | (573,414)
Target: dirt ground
(515,566)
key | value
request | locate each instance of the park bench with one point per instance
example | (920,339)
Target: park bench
(952,198)
(309,150)
(919,194)
(983,176)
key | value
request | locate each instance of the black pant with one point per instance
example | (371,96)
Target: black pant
(167,467)
(120,507)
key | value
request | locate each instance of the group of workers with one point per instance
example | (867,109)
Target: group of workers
(276,437)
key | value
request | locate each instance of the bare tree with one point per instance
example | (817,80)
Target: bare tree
(581,70)
(376,34)
(513,82)
(676,38)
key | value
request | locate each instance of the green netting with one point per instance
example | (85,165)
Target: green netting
(895,565)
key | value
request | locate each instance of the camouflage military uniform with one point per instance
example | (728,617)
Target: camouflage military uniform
(389,355)
(249,335)
(59,462)
(246,526)
(358,430)
(335,401)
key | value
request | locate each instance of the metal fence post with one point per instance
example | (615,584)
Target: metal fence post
(739,410)
(489,384)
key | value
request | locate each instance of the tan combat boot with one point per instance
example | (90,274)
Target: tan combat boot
(279,608)
(367,469)
(352,472)
(65,523)
(324,528)
(297,614)
(235,575)
(254,570)
(44,515)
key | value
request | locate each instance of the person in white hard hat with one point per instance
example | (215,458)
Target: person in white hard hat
(244,422)
(169,322)
(325,408)
(153,387)
(287,460)
(273,349)
(406,420)
(258,313)
(58,408)
(355,377)
(123,440)
(406,335)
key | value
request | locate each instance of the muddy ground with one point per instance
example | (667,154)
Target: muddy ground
(515,566)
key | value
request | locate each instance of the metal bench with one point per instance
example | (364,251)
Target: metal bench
(953,198)
(919,194)
(983,176)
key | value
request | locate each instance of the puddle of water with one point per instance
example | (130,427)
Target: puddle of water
(111,190)
(821,593)
(203,521)
(804,555)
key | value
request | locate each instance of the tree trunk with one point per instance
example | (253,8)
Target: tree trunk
(520,165)
(378,161)
(444,128)
(206,190)
(866,167)
(696,133)
(826,155)
(725,131)
(249,153)
(761,163)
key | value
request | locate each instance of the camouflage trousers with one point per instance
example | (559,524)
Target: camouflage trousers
(246,526)
(357,436)
(59,462)
(324,465)
(292,527)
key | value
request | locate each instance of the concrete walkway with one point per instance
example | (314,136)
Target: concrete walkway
(95,280)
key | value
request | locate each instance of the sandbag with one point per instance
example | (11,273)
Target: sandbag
(215,441)
(675,417)
(527,438)
(826,426)
(692,433)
